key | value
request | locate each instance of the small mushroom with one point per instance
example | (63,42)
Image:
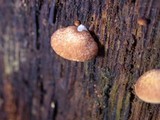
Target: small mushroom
(147,87)
(77,23)
(142,21)
(74,43)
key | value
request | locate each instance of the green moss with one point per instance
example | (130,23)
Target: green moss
(11,61)
(86,68)
(127,100)
(119,108)
(113,96)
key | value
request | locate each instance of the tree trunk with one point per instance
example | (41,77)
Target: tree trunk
(37,84)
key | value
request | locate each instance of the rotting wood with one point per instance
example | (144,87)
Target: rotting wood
(94,90)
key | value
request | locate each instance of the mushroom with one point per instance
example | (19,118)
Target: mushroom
(77,23)
(74,43)
(142,21)
(147,87)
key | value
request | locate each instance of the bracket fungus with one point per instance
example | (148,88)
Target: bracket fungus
(74,43)
(147,87)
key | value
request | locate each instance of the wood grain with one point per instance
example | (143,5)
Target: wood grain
(33,77)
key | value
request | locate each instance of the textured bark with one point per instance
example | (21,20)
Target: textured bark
(37,84)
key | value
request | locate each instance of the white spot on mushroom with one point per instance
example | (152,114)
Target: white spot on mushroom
(81,27)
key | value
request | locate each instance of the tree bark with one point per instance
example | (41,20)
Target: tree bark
(37,84)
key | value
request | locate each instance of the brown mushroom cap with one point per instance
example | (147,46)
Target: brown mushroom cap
(77,23)
(74,45)
(142,21)
(147,88)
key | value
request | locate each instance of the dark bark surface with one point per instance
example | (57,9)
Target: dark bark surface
(37,84)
